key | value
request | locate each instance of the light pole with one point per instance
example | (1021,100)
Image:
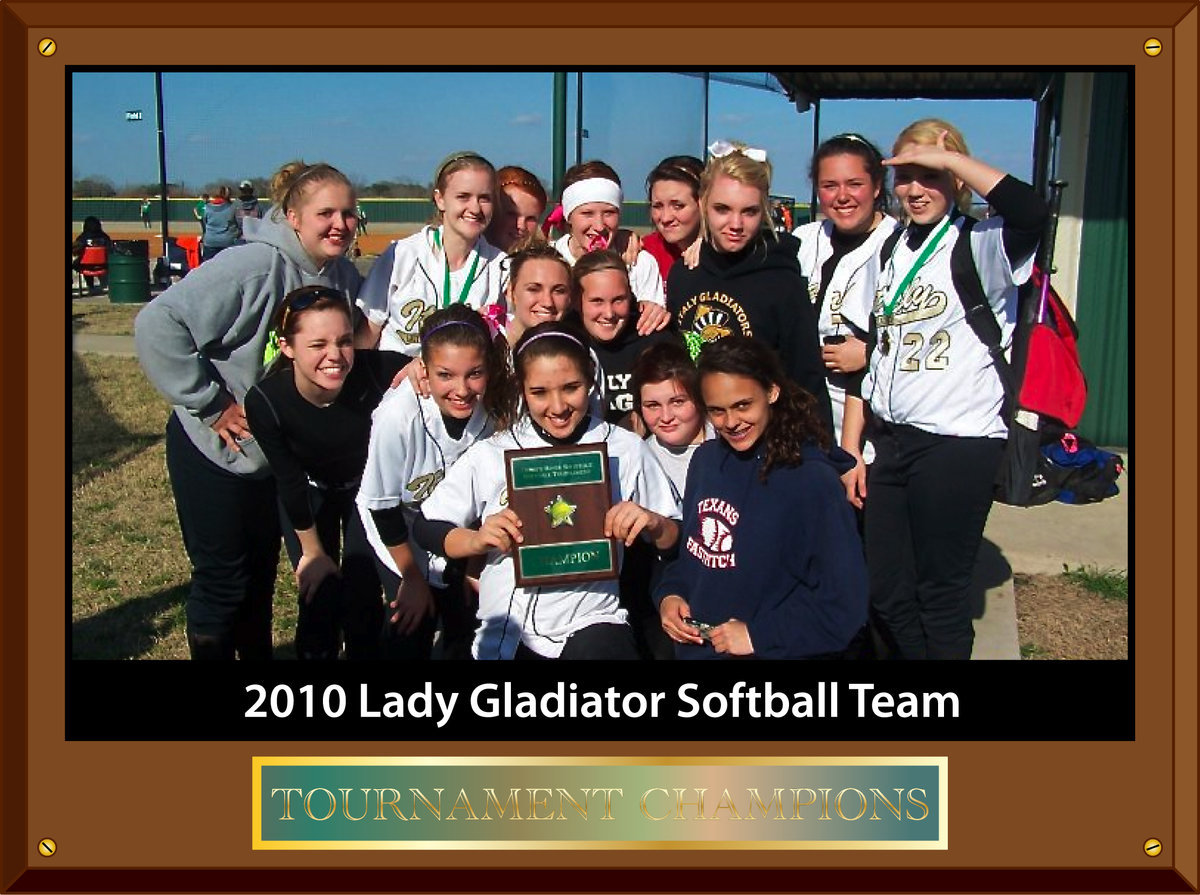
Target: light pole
(162,169)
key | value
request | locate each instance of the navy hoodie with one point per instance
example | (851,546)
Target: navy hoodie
(757,292)
(783,556)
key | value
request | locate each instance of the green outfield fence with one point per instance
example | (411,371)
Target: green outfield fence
(379,211)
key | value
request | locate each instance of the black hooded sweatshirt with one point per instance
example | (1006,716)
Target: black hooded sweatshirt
(758,292)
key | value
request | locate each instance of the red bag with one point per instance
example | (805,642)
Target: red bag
(1052,380)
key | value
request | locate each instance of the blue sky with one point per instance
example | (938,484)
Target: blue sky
(398,125)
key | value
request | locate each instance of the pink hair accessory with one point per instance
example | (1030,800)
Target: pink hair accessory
(553,218)
(496,317)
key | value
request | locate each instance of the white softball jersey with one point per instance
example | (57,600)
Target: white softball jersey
(849,296)
(644,278)
(929,370)
(400,299)
(542,617)
(407,457)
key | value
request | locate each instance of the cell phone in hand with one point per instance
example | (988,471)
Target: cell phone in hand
(704,629)
(833,340)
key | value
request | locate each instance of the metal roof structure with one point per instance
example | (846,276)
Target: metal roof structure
(804,86)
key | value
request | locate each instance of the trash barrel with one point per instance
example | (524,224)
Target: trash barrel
(129,271)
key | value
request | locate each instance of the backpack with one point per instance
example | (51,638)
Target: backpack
(1045,392)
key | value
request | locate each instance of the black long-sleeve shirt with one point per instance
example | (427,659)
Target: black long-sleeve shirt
(327,445)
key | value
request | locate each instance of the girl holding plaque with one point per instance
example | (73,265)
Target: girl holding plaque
(770,563)
(583,619)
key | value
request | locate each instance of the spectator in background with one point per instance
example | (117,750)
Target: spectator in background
(93,235)
(247,205)
(362,220)
(145,212)
(777,217)
(220,224)
(198,212)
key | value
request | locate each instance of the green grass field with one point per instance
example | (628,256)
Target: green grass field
(100,318)
(129,571)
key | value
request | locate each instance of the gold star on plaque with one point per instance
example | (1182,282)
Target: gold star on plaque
(560,512)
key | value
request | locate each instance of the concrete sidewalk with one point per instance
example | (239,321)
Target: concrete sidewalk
(118,346)
(1040,541)
(1025,540)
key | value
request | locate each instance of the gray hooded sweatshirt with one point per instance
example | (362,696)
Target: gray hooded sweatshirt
(201,343)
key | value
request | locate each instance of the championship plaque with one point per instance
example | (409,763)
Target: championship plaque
(561,495)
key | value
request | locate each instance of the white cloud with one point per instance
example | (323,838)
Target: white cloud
(529,119)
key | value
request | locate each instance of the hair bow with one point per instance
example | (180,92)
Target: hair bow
(722,148)
(555,217)
(496,317)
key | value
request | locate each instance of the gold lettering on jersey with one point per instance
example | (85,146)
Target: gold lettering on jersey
(937,358)
(922,301)
(836,300)
(713,316)
(412,314)
(422,486)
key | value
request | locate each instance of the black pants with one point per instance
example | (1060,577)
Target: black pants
(231,534)
(928,500)
(452,612)
(640,572)
(348,607)
(600,641)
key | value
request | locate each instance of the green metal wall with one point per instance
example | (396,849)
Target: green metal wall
(398,211)
(1103,304)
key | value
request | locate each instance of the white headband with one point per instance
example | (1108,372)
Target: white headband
(594,189)
(722,148)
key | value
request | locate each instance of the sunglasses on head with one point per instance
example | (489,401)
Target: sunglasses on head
(302,299)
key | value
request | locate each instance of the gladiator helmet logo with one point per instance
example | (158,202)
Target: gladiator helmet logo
(711,323)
